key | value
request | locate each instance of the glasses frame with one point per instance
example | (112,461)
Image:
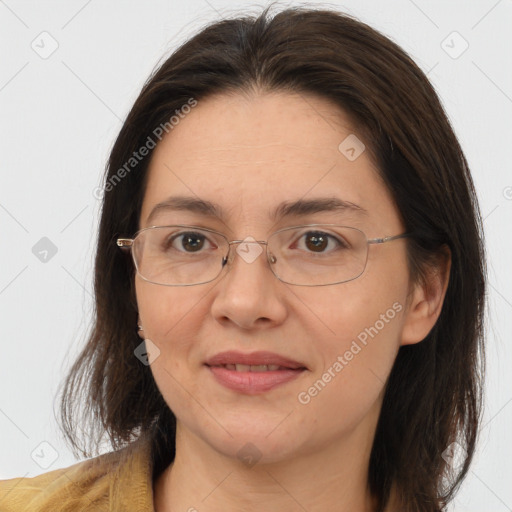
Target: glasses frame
(127,244)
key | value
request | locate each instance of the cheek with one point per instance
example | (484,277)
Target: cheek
(174,318)
(357,333)
(163,309)
(370,309)
(349,383)
(170,320)
(366,309)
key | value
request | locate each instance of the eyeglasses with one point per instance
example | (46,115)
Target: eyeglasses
(308,255)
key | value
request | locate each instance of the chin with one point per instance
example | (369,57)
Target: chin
(262,444)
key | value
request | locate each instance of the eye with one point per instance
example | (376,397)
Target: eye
(319,241)
(188,241)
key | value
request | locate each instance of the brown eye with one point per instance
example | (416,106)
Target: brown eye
(192,242)
(186,242)
(316,242)
(321,242)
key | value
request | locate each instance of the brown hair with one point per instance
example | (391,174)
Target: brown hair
(433,396)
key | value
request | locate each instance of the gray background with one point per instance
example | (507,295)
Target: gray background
(60,113)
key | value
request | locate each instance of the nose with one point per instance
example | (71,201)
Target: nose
(249,295)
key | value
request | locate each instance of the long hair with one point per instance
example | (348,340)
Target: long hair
(433,397)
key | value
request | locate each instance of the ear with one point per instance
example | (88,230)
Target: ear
(426,299)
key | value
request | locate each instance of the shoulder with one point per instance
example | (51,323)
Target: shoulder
(61,489)
(112,481)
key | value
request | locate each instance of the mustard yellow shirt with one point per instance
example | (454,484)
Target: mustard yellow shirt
(115,481)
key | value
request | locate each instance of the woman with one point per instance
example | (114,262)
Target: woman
(290,283)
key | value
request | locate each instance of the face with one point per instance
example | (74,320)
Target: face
(247,156)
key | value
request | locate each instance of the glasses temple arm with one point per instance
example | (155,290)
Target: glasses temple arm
(388,238)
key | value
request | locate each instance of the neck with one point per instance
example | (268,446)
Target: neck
(333,477)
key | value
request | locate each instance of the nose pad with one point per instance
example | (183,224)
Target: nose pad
(228,258)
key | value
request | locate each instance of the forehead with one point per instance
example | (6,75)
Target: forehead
(251,154)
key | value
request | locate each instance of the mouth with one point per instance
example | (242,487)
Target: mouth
(254,368)
(253,373)
(254,361)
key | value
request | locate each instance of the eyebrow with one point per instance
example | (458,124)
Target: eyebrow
(301,207)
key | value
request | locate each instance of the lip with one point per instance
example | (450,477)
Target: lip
(253,359)
(253,382)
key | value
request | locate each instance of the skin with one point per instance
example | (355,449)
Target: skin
(248,154)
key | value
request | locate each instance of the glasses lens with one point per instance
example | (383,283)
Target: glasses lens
(179,255)
(318,254)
